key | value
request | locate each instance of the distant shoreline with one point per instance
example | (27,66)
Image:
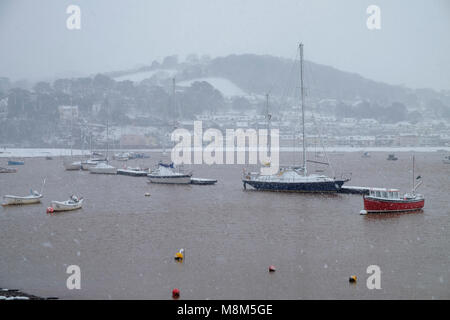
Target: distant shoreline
(58,152)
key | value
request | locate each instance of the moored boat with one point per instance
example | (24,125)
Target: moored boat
(7,170)
(16,162)
(292,179)
(34,197)
(295,178)
(165,174)
(389,200)
(72,204)
(72,165)
(392,157)
(122,156)
(89,163)
(203,181)
(135,172)
(103,168)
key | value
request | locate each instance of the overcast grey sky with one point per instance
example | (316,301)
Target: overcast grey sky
(412,48)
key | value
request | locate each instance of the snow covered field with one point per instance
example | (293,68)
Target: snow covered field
(139,76)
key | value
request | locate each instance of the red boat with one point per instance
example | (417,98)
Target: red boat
(389,200)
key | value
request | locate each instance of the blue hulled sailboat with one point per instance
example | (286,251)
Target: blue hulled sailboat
(295,178)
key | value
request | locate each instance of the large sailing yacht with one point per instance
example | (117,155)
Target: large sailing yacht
(295,178)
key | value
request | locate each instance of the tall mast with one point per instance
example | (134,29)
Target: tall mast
(71,127)
(268,116)
(107,129)
(413,173)
(303,108)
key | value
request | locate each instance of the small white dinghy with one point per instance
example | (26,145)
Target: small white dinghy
(72,204)
(34,197)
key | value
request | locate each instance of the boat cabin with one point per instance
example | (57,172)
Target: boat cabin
(383,193)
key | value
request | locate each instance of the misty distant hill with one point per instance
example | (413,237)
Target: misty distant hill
(259,74)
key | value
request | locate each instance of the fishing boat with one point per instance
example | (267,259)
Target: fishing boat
(295,178)
(103,168)
(7,170)
(16,162)
(135,172)
(166,174)
(72,204)
(390,200)
(33,197)
(392,157)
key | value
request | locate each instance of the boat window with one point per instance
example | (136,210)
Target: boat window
(384,194)
(378,194)
(390,195)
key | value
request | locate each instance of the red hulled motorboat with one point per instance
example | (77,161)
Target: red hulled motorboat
(390,200)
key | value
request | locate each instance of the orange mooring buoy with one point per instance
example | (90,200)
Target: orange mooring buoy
(50,210)
(179,256)
(175,293)
(352,279)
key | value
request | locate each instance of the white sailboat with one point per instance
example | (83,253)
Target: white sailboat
(166,174)
(104,167)
(71,164)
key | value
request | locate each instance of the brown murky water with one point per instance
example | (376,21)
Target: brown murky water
(124,242)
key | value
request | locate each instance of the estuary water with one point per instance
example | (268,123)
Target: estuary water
(124,242)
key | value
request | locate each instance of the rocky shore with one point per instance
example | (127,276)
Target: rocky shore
(15,294)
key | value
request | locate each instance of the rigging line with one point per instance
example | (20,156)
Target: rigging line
(309,74)
(316,125)
(286,90)
(290,76)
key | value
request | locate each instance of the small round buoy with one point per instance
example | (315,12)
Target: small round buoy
(50,210)
(175,293)
(272,269)
(179,256)
(363,212)
(352,279)
(147,194)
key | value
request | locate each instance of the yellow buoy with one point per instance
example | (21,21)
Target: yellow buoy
(179,255)
(352,279)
